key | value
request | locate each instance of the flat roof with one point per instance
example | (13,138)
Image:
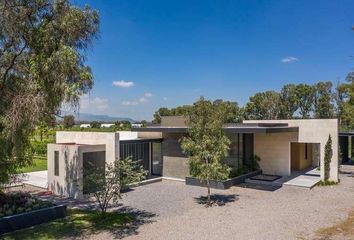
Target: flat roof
(229,128)
(141,140)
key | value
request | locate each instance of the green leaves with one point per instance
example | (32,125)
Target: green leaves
(206,143)
(42,64)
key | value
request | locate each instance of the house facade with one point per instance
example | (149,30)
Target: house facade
(284,147)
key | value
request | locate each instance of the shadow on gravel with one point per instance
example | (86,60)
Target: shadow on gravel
(217,199)
(141,217)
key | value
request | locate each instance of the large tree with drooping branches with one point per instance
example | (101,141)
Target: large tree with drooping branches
(42,64)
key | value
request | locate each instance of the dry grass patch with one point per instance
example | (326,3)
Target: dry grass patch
(343,228)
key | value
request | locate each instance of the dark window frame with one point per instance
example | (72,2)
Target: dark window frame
(56,163)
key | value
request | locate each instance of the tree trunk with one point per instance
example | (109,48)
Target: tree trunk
(208,186)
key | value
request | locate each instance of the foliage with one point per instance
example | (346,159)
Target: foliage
(326,183)
(131,171)
(289,101)
(178,111)
(123,126)
(246,168)
(42,63)
(19,202)
(327,158)
(233,113)
(68,121)
(263,105)
(40,147)
(95,124)
(77,223)
(305,95)
(347,102)
(323,104)
(116,176)
(206,143)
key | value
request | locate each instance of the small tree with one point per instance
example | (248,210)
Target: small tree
(105,183)
(95,124)
(206,143)
(327,158)
(68,121)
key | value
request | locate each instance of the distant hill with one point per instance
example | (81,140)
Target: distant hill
(89,117)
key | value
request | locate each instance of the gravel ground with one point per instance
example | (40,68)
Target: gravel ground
(172,210)
(286,213)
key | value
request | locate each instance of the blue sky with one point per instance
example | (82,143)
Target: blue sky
(167,53)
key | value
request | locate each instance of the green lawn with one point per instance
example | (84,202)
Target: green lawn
(77,223)
(39,164)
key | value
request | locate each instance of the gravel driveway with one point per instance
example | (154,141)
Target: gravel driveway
(286,213)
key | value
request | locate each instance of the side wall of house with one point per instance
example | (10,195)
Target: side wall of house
(315,131)
(69,181)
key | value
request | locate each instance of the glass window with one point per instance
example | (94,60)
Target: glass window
(56,163)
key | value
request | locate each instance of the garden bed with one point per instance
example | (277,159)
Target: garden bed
(20,210)
(32,218)
(223,184)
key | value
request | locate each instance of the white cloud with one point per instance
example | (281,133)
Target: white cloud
(165,98)
(148,95)
(123,84)
(138,101)
(130,103)
(289,59)
(142,99)
(96,103)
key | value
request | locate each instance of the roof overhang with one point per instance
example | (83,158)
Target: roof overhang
(228,129)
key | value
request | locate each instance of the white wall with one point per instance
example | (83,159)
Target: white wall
(69,181)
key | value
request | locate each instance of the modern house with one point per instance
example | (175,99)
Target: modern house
(284,147)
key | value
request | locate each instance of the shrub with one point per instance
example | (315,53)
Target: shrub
(327,158)
(19,202)
(326,183)
(40,147)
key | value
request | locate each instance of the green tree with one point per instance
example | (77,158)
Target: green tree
(233,113)
(347,111)
(42,63)
(288,101)
(323,104)
(305,96)
(95,124)
(123,126)
(68,121)
(106,183)
(42,129)
(263,105)
(327,158)
(160,113)
(206,143)
(340,97)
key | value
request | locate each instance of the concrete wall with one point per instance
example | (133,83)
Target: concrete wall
(173,121)
(274,151)
(314,131)
(149,135)
(175,163)
(69,181)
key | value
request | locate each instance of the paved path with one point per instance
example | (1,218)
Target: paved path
(37,179)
